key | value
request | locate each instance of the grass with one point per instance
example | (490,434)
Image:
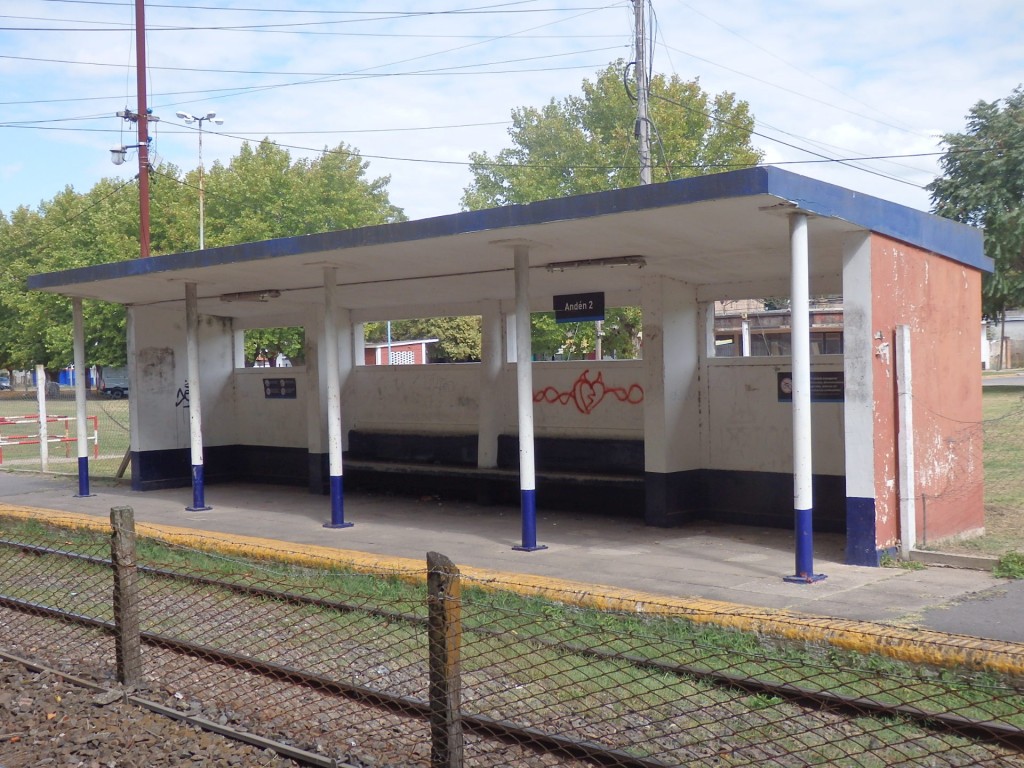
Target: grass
(1010,566)
(1003,414)
(522,657)
(514,633)
(112,426)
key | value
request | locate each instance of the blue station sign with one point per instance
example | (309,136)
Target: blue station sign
(576,307)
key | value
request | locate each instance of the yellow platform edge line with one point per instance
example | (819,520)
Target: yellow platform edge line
(919,646)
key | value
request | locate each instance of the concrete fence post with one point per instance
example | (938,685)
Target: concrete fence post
(444,634)
(128,644)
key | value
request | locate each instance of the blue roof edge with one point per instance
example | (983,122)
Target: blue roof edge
(960,242)
(949,238)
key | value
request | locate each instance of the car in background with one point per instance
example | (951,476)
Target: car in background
(5,383)
(114,384)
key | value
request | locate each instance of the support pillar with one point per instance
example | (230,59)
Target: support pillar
(195,410)
(81,379)
(330,357)
(492,358)
(524,392)
(803,499)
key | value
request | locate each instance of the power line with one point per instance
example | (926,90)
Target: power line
(440,70)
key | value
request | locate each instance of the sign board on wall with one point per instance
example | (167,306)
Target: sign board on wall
(576,307)
(826,387)
(278,389)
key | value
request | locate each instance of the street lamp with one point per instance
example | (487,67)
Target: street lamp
(189,119)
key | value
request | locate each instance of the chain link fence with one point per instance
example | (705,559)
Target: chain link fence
(21,435)
(428,667)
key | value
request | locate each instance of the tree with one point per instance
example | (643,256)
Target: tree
(586,143)
(982,184)
(260,194)
(458,338)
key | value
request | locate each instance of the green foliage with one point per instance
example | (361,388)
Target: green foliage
(982,184)
(1010,566)
(271,342)
(620,335)
(458,337)
(260,194)
(586,144)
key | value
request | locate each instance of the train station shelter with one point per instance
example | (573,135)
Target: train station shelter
(873,441)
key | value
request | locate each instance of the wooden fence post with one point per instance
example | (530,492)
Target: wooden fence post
(127,641)
(444,633)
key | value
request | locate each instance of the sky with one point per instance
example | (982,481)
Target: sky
(416,87)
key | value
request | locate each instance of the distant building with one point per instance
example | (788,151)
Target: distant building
(397,352)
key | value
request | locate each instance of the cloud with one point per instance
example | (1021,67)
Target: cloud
(844,80)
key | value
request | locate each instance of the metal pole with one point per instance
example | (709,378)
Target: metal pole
(643,128)
(524,391)
(333,400)
(195,411)
(905,408)
(44,433)
(81,374)
(800,342)
(202,197)
(140,80)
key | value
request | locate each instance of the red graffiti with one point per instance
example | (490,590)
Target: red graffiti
(586,393)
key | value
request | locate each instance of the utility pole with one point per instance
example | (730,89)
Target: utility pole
(143,116)
(642,128)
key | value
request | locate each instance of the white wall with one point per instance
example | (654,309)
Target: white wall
(158,369)
(586,399)
(441,398)
(572,399)
(750,430)
(260,420)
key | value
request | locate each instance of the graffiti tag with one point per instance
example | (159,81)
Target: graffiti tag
(588,393)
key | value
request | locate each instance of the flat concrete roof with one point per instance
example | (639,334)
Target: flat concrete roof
(725,233)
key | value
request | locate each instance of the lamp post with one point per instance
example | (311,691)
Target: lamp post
(189,119)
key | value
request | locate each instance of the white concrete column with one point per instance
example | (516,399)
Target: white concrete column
(44,431)
(524,399)
(195,412)
(81,379)
(332,372)
(745,339)
(800,345)
(492,356)
(675,339)
(671,354)
(859,401)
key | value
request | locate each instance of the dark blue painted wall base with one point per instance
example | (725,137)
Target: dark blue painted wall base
(592,476)
(860,532)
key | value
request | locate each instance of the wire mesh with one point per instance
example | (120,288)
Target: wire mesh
(337,661)
(107,431)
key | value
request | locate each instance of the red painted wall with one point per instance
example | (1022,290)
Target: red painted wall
(941,302)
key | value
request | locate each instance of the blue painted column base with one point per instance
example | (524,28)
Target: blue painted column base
(198,491)
(803,533)
(337,505)
(83,478)
(528,504)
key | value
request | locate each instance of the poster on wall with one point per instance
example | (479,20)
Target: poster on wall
(826,387)
(279,389)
